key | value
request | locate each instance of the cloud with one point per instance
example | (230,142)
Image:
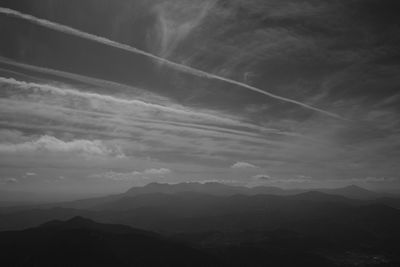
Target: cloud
(117,176)
(175,21)
(48,143)
(132,176)
(291,50)
(9,180)
(299,179)
(84,79)
(30,174)
(161,171)
(243,165)
(263,177)
(78,108)
(177,66)
(374,180)
(220,181)
(138,126)
(140,107)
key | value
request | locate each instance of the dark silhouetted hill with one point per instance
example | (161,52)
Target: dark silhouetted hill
(82,242)
(307,229)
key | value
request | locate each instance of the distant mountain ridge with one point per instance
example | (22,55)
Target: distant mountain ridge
(214,188)
(217,189)
(220,189)
(165,207)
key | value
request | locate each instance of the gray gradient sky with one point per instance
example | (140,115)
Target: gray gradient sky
(287,93)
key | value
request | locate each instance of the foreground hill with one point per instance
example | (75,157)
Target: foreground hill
(196,212)
(306,229)
(82,242)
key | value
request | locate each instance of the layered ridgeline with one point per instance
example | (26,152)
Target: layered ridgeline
(214,206)
(213,189)
(206,225)
(219,189)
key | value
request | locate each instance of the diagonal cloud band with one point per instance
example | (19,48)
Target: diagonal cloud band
(180,67)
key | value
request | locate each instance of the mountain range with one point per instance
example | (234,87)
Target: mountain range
(216,224)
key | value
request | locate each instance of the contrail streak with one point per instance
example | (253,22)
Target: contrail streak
(180,67)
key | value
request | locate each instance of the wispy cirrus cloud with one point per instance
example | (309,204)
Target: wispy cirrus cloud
(149,109)
(58,108)
(183,68)
(48,143)
(175,21)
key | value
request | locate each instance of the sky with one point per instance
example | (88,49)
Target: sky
(98,96)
